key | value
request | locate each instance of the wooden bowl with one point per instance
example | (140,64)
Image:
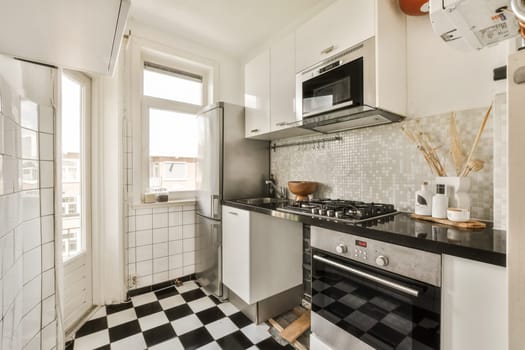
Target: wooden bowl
(302,189)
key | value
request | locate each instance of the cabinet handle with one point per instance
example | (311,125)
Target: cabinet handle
(293,101)
(328,50)
(232,213)
(254,130)
(280,124)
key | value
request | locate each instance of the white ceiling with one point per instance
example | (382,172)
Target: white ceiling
(233,26)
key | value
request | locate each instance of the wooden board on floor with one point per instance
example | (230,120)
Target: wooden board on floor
(296,328)
(467,224)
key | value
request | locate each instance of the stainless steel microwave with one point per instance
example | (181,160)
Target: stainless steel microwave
(339,93)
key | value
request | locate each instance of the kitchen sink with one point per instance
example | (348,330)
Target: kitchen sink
(262,201)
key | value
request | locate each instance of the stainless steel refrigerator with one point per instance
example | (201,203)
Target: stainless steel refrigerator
(229,166)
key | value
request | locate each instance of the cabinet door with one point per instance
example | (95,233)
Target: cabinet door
(282,83)
(257,94)
(474,310)
(236,251)
(340,26)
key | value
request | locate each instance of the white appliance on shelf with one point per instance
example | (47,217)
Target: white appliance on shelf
(228,167)
(473,24)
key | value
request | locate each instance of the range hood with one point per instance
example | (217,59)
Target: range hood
(349,119)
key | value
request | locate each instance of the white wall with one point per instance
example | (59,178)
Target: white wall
(442,79)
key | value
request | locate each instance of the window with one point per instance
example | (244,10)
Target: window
(75,102)
(171,98)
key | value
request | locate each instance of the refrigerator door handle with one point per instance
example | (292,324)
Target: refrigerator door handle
(215,204)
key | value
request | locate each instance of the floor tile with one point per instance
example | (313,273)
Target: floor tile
(187,286)
(172,344)
(153,320)
(240,319)
(124,330)
(110,309)
(159,334)
(92,341)
(134,342)
(211,346)
(186,324)
(271,344)
(101,312)
(178,312)
(228,308)
(166,292)
(92,326)
(256,333)
(221,328)
(196,338)
(193,295)
(235,341)
(210,315)
(172,301)
(201,304)
(148,309)
(121,317)
(143,299)
(173,318)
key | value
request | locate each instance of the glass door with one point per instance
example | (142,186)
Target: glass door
(75,199)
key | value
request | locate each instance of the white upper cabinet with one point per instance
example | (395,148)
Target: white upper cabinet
(257,94)
(282,83)
(80,35)
(340,26)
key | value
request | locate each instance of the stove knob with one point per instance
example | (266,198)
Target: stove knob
(330,213)
(341,248)
(322,211)
(382,260)
(339,214)
(314,210)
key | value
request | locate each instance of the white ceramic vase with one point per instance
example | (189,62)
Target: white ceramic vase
(458,188)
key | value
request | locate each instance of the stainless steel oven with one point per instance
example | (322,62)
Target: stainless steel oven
(368,294)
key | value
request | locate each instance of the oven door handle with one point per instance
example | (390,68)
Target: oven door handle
(366,275)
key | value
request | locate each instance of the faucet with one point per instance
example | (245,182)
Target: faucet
(279,193)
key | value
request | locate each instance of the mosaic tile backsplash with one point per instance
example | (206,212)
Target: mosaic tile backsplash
(379,164)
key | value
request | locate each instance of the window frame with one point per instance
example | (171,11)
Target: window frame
(170,61)
(84,162)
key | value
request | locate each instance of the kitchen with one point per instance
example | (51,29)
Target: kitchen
(154,150)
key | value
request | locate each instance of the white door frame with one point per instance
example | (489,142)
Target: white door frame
(85,258)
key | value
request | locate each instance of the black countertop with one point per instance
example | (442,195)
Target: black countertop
(487,245)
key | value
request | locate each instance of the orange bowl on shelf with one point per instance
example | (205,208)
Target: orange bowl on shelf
(414,7)
(302,189)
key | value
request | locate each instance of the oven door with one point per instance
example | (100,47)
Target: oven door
(360,307)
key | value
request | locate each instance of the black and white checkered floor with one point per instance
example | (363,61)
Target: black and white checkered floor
(184,317)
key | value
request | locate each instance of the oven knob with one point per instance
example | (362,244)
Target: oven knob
(341,248)
(382,260)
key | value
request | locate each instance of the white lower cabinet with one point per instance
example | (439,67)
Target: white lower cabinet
(317,344)
(474,305)
(262,255)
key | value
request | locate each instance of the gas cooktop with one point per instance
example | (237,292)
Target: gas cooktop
(340,210)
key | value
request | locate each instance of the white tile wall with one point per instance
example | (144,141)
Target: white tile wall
(157,239)
(160,240)
(27,294)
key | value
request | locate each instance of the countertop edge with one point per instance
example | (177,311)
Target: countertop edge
(476,254)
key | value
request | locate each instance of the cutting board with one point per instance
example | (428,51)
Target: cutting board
(466,225)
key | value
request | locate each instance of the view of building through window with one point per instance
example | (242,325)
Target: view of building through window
(173,144)
(71,168)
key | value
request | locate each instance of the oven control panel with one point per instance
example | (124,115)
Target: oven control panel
(413,263)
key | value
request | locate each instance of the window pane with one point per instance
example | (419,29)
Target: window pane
(172,150)
(172,87)
(71,168)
